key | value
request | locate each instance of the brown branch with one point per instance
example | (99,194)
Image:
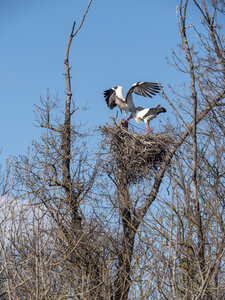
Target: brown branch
(188,55)
(211,271)
(51,128)
(82,21)
(173,106)
(210,22)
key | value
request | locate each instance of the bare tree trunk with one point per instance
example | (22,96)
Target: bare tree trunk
(123,280)
(187,51)
(70,196)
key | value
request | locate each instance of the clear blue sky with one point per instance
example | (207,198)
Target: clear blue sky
(121,42)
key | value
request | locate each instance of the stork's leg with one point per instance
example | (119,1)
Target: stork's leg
(124,121)
(147,127)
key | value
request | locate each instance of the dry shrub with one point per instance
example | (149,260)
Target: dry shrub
(138,155)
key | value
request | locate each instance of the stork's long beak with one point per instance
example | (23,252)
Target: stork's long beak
(130,117)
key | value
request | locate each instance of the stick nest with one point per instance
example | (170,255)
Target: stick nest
(137,155)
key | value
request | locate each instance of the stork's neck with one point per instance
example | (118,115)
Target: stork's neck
(138,108)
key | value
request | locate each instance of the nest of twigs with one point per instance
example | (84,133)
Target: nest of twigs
(137,155)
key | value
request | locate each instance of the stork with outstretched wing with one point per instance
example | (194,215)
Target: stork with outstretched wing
(114,96)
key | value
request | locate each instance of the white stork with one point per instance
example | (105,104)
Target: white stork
(147,115)
(114,96)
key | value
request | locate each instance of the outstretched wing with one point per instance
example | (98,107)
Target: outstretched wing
(110,97)
(146,89)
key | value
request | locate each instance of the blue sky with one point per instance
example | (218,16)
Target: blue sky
(121,42)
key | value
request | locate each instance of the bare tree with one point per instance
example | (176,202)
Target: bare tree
(144,218)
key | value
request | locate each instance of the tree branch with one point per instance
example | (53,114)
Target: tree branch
(82,21)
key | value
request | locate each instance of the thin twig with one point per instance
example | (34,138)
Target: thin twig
(82,21)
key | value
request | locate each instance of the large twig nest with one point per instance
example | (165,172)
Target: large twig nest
(137,155)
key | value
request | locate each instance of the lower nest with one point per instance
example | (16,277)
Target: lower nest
(136,154)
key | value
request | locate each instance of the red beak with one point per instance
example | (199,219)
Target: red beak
(130,117)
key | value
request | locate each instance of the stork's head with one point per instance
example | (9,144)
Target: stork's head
(160,109)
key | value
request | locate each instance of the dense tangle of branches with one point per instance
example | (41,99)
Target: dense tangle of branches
(137,154)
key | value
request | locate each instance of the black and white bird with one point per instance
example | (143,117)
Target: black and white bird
(114,96)
(147,115)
